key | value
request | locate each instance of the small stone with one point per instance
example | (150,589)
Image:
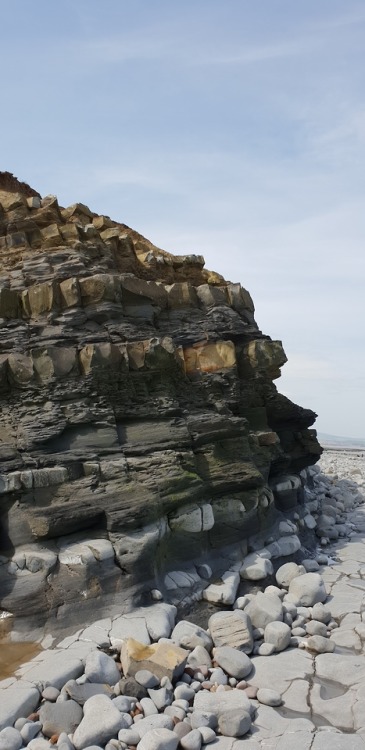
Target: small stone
(60,717)
(184,692)
(234,723)
(129,736)
(190,635)
(30,730)
(199,658)
(217,676)
(201,719)
(235,663)
(145,678)
(192,741)
(158,721)
(269,697)
(100,667)
(274,590)
(50,694)
(321,613)
(314,627)
(308,589)
(182,729)
(159,739)
(255,568)
(122,703)
(287,572)
(311,566)
(320,645)
(263,609)
(266,649)
(299,632)
(208,735)
(100,723)
(161,697)
(148,707)
(10,739)
(129,686)
(279,634)
(175,712)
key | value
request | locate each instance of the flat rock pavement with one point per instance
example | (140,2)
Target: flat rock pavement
(242,684)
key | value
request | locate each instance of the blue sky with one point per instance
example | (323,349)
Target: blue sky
(231,128)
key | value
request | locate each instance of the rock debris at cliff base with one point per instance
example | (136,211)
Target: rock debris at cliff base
(141,432)
(142,680)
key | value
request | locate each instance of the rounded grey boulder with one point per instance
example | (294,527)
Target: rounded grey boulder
(234,723)
(269,697)
(308,589)
(279,634)
(234,662)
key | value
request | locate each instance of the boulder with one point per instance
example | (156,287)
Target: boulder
(263,609)
(232,629)
(308,589)
(100,723)
(162,659)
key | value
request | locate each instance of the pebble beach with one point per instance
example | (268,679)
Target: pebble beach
(282,667)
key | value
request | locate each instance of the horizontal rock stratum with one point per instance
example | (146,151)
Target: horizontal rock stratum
(141,432)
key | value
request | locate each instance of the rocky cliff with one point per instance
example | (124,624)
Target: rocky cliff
(141,433)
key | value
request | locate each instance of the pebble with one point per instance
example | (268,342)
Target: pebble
(122,703)
(314,627)
(100,723)
(148,706)
(175,711)
(269,697)
(60,717)
(203,719)
(234,723)
(266,649)
(10,739)
(159,739)
(321,613)
(50,693)
(208,735)
(279,634)
(320,645)
(233,662)
(30,730)
(129,736)
(182,729)
(218,676)
(145,678)
(100,667)
(192,741)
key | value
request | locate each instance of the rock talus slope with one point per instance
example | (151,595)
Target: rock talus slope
(140,427)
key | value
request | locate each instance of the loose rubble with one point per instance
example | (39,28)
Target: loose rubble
(283,668)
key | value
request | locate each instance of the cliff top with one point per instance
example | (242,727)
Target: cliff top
(11,184)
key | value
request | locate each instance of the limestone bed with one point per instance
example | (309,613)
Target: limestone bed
(280,668)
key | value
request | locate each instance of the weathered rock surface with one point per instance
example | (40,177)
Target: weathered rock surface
(140,427)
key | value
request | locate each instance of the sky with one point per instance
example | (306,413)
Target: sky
(229,128)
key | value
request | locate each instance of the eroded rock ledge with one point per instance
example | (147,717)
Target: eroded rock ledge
(141,431)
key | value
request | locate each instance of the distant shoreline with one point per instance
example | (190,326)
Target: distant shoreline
(343,448)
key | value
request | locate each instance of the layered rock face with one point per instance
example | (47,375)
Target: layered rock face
(140,428)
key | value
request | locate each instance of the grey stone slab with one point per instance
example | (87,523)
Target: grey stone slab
(334,741)
(15,702)
(55,669)
(279,670)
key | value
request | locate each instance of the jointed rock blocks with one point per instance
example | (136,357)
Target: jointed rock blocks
(141,432)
